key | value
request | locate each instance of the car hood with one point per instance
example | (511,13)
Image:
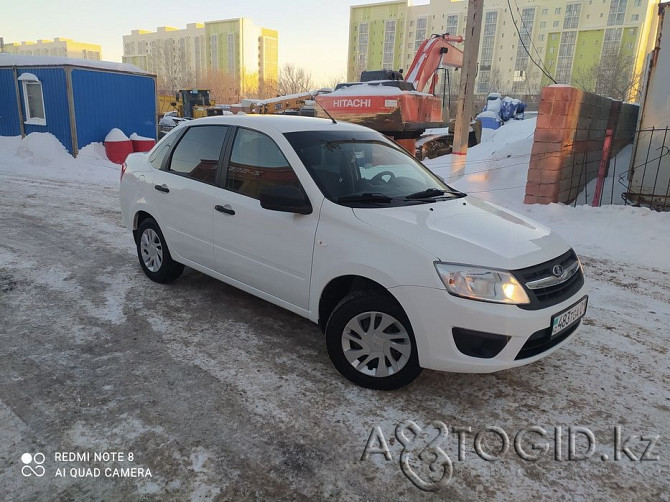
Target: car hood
(469,231)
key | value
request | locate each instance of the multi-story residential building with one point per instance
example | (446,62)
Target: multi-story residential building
(184,57)
(174,54)
(62,47)
(568,38)
(240,48)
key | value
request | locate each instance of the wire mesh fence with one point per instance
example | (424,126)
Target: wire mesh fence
(638,174)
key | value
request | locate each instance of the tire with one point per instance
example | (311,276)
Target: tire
(355,349)
(154,255)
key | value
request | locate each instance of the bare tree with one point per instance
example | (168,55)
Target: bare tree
(333,80)
(171,67)
(223,87)
(294,80)
(613,76)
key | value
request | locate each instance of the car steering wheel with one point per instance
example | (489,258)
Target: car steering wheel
(378,178)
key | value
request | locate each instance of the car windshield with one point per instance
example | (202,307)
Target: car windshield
(363,169)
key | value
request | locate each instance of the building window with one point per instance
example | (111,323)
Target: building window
(571,20)
(452,25)
(555,24)
(543,24)
(231,52)
(565,55)
(486,57)
(545,12)
(526,30)
(389,43)
(635,17)
(611,42)
(362,46)
(541,38)
(421,25)
(557,10)
(33,99)
(617,12)
(637,3)
(214,48)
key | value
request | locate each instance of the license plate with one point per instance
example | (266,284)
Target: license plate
(568,317)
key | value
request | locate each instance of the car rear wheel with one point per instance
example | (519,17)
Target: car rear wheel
(154,254)
(370,342)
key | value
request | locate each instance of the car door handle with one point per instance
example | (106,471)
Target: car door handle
(225,209)
(162,188)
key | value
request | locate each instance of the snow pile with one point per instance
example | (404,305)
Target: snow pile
(42,155)
(136,137)
(41,148)
(115,135)
(496,170)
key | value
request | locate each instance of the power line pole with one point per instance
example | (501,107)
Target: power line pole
(473,30)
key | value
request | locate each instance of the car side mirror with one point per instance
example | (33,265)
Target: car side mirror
(285,198)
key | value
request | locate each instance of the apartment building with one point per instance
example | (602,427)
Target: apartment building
(62,47)
(184,57)
(567,38)
(240,48)
(169,52)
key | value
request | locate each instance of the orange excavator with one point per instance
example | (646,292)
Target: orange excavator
(397,107)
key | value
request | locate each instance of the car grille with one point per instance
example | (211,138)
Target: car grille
(544,289)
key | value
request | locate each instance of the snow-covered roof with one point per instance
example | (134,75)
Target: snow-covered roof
(21,60)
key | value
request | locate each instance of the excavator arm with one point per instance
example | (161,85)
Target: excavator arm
(434,52)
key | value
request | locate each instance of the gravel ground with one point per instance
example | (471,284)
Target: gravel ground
(222,396)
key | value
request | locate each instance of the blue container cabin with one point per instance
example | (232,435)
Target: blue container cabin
(77,100)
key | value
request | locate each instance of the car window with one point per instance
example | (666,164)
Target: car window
(157,156)
(257,163)
(364,169)
(198,151)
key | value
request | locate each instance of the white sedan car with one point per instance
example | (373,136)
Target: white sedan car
(340,225)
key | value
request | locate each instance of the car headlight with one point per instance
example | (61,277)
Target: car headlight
(484,284)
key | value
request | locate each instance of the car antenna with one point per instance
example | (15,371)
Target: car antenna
(320,105)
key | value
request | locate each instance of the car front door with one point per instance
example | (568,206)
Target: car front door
(185,192)
(270,251)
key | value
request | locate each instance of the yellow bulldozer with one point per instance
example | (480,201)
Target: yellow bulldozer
(189,104)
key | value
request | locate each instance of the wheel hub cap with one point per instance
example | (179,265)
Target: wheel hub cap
(376,344)
(152,250)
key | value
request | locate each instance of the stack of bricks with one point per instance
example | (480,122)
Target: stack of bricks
(568,143)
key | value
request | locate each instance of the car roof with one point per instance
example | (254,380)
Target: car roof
(280,123)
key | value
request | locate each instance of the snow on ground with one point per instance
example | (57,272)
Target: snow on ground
(225,396)
(42,155)
(496,171)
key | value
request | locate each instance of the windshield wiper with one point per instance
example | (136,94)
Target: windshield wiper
(366,197)
(431,193)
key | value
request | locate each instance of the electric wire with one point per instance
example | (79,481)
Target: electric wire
(546,73)
(532,44)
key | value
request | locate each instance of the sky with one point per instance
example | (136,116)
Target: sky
(313,34)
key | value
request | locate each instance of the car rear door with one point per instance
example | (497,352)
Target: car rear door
(270,251)
(185,192)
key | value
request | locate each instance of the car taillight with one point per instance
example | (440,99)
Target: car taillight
(123,169)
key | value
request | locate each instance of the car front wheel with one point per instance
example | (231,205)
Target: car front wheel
(154,254)
(370,342)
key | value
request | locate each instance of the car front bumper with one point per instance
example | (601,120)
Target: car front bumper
(503,336)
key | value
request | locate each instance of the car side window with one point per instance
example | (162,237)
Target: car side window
(157,156)
(257,163)
(197,153)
